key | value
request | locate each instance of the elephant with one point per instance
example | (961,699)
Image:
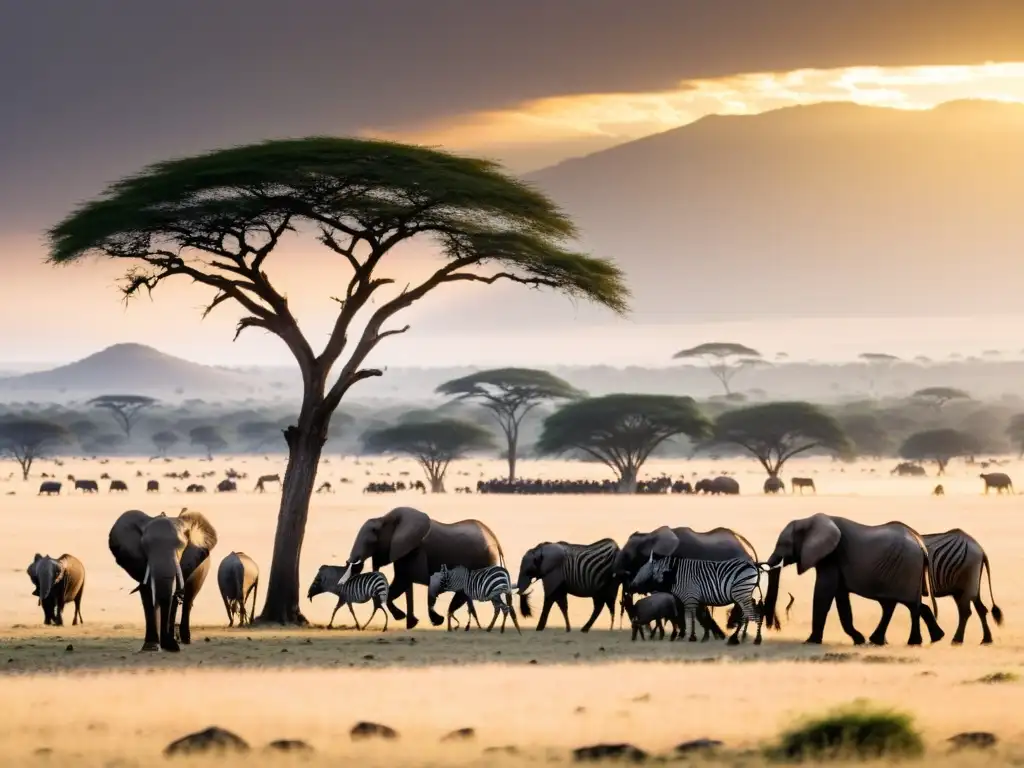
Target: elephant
(998,480)
(589,574)
(57,582)
(774,485)
(418,546)
(888,563)
(716,544)
(718,486)
(169,557)
(238,577)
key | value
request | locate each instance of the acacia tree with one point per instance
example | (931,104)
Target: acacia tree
(26,440)
(216,219)
(621,430)
(867,433)
(938,445)
(877,362)
(208,437)
(776,432)
(164,441)
(939,396)
(1015,431)
(510,394)
(434,444)
(257,433)
(125,409)
(723,359)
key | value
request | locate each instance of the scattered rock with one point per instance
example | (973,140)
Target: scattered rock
(973,740)
(697,745)
(213,739)
(206,639)
(69,649)
(507,749)
(532,661)
(290,745)
(284,650)
(368,657)
(462,734)
(365,730)
(595,752)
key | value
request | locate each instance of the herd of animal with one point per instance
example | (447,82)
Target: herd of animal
(682,574)
(52,487)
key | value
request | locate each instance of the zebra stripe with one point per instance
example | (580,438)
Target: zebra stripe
(489,584)
(706,582)
(948,552)
(363,588)
(587,569)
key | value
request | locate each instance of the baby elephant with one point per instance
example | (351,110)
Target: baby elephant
(238,577)
(58,582)
(365,587)
(659,607)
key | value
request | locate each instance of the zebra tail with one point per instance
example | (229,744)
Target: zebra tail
(997,612)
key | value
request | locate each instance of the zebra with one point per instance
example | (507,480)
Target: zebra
(581,570)
(358,589)
(484,584)
(957,564)
(706,582)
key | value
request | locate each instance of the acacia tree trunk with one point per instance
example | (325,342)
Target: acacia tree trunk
(511,461)
(436,483)
(305,444)
(627,480)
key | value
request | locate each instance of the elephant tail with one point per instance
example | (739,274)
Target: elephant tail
(997,612)
(771,599)
(928,580)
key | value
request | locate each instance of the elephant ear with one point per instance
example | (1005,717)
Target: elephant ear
(664,542)
(201,537)
(408,528)
(552,556)
(125,543)
(820,540)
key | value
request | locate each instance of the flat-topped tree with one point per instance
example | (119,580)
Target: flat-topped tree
(877,362)
(125,409)
(434,443)
(776,432)
(867,433)
(26,440)
(216,219)
(620,430)
(723,359)
(209,437)
(510,394)
(938,445)
(164,441)
(939,396)
(256,434)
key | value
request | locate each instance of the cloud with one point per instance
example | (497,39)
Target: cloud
(596,120)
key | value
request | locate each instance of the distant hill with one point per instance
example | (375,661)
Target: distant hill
(130,368)
(822,210)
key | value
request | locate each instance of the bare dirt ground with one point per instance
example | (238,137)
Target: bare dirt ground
(85,692)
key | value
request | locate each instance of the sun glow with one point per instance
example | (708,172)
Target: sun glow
(603,119)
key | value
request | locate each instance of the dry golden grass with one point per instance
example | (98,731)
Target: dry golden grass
(102,701)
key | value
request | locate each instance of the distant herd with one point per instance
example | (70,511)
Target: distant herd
(682,574)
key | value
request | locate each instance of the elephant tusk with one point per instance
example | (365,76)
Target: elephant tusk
(179,576)
(152,587)
(146,577)
(348,571)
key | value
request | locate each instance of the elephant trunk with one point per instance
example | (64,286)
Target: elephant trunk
(527,611)
(771,598)
(352,568)
(46,582)
(163,594)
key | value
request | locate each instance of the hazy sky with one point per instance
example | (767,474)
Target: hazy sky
(91,91)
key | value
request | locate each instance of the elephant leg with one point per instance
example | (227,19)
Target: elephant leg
(185,631)
(231,613)
(878,636)
(708,621)
(915,621)
(459,599)
(410,618)
(542,620)
(598,605)
(395,591)
(826,584)
(152,641)
(241,612)
(986,637)
(352,610)
(659,627)
(78,611)
(935,633)
(845,611)
(497,609)
(58,613)
(637,630)
(562,601)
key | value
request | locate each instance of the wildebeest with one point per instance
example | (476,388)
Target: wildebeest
(266,479)
(87,486)
(227,486)
(118,485)
(153,486)
(908,469)
(195,488)
(998,480)
(801,483)
(50,487)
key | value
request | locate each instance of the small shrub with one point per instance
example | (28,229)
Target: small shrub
(855,732)
(998,677)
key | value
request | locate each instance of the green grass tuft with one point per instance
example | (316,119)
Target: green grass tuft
(854,732)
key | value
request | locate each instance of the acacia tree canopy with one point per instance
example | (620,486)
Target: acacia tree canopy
(867,433)
(724,359)
(209,437)
(124,408)
(510,394)
(938,445)
(939,396)
(621,430)
(26,440)
(164,441)
(776,432)
(216,218)
(434,444)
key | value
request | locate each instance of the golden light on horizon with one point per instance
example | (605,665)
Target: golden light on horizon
(617,117)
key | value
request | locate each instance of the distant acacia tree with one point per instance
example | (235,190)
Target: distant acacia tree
(26,440)
(939,396)
(776,432)
(208,437)
(164,441)
(723,359)
(341,426)
(83,429)
(510,394)
(124,408)
(868,434)
(257,433)
(434,444)
(877,362)
(215,219)
(106,443)
(938,445)
(621,430)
